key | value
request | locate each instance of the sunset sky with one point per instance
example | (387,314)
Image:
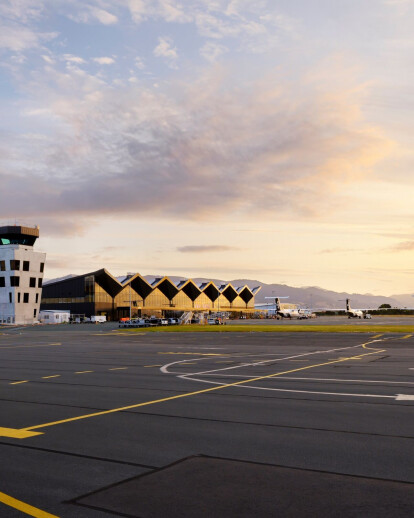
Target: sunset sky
(268,140)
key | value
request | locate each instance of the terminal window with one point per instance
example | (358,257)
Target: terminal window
(18,297)
(14,280)
(42,267)
(14,264)
(26,266)
(25,298)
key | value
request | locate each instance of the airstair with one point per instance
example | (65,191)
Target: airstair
(186,318)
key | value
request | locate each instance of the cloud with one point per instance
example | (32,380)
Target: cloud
(77,60)
(90,14)
(206,248)
(339,250)
(202,149)
(257,26)
(404,246)
(211,51)
(105,60)
(166,50)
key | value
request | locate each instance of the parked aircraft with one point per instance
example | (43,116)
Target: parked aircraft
(289,312)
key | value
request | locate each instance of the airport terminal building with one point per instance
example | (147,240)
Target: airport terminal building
(100,293)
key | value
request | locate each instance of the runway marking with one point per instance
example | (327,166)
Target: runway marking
(48,377)
(179,396)
(377,336)
(152,365)
(23,507)
(57,343)
(405,397)
(19,382)
(82,372)
(118,369)
(405,337)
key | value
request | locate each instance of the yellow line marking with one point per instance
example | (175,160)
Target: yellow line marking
(199,354)
(82,372)
(152,365)
(24,508)
(405,337)
(377,336)
(17,434)
(118,369)
(57,343)
(187,394)
(47,377)
(18,382)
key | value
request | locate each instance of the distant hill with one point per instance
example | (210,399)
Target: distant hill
(310,296)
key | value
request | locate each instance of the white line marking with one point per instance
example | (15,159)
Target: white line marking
(339,380)
(404,397)
(165,371)
(303,391)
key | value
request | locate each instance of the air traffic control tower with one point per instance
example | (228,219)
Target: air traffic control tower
(21,275)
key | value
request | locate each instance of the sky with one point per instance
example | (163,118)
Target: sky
(257,139)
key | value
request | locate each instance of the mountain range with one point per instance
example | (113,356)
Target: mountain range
(309,296)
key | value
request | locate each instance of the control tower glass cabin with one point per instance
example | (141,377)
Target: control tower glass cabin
(21,275)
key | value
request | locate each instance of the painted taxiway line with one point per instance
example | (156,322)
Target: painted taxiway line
(31,431)
(23,507)
(165,370)
(289,378)
(319,393)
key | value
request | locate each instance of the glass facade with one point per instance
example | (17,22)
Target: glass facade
(100,293)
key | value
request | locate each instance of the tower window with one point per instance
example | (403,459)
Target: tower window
(37,298)
(25,298)
(42,267)
(32,283)
(18,297)
(39,283)
(14,281)
(26,266)
(34,313)
(2,282)
(10,297)
(14,264)
(2,266)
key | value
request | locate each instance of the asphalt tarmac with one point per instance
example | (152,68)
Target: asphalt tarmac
(95,421)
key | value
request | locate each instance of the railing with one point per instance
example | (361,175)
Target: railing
(186,318)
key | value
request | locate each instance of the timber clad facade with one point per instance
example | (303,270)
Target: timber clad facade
(99,293)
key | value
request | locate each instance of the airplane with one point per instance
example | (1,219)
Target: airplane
(350,312)
(289,312)
(356,313)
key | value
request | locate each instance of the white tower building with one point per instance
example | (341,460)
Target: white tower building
(21,275)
